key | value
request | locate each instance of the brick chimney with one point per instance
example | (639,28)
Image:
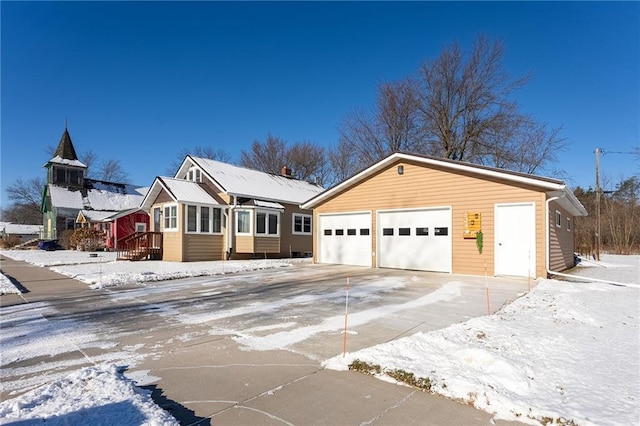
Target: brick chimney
(286,172)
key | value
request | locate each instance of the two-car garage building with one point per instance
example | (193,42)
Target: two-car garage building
(422,213)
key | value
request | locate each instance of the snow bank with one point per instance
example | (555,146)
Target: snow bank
(6,286)
(557,352)
(94,395)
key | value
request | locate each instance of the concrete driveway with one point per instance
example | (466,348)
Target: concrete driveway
(247,348)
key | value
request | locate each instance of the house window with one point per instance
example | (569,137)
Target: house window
(301,224)
(243,225)
(194,174)
(217,220)
(558,219)
(71,223)
(171,217)
(266,223)
(205,219)
(569,224)
(192,219)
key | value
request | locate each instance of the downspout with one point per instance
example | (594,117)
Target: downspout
(548,256)
(230,227)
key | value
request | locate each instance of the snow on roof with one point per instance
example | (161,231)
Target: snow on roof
(249,183)
(98,195)
(95,215)
(186,191)
(9,228)
(59,160)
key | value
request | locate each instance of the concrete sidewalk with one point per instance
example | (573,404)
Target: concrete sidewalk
(211,380)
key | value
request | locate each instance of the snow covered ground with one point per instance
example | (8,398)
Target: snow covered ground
(567,351)
(94,395)
(104,271)
(563,351)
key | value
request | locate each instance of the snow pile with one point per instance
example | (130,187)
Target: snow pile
(94,395)
(555,353)
(6,286)
(104,271)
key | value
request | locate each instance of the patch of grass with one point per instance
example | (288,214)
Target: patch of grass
(559,421)
(365,367)
(403,376)
(409,378)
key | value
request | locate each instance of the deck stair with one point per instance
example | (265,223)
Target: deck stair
(140,246)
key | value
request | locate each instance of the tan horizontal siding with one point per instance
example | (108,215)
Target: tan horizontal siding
(560,240)
(244,244)
(421,187)
(203,247)
(290,243)
(266,245)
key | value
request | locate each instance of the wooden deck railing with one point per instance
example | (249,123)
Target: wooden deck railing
(140,245)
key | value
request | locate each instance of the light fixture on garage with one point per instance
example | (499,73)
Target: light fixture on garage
(400,169)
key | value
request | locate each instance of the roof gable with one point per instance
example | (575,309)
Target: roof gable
(548,185)
(180,191)
(248,183)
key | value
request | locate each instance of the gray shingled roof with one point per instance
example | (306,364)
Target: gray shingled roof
(65,147)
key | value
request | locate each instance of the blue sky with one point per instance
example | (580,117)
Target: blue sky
(140,81)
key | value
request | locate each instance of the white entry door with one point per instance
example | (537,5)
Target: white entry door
(345,239)
(515,249)
(415,239)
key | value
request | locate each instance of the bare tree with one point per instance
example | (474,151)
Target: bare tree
(392,126)
(459,107)
(306,160)
(343,162)
(268,156)
(27,197)
(111,171)
(208,152)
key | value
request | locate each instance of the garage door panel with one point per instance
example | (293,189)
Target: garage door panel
(345,239)
(415,239)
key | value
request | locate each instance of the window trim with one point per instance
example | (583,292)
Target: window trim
(198,230)
(194,174)
(558,219)
(166,217)
(267,214)
(237,218)
(568,224)
(303,217)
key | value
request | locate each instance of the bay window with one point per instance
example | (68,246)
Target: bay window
(202,219)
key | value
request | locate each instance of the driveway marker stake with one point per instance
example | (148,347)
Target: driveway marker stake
(486,280)
(346,314)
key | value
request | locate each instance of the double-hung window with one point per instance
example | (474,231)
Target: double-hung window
(171,217)
(301,224)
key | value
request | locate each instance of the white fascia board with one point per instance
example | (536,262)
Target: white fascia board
(153,193)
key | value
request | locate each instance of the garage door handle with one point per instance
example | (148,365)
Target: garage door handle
(499,244)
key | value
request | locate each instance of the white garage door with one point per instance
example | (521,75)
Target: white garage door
(345,239)
(415,239)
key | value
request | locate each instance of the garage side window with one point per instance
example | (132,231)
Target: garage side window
(569,224)
(558,219)
(171,217)
(301,224)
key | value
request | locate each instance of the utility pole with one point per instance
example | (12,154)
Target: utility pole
(598,203)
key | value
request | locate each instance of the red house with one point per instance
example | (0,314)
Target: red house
(116,225)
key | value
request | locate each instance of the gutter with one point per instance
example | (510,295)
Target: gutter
(548,255)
